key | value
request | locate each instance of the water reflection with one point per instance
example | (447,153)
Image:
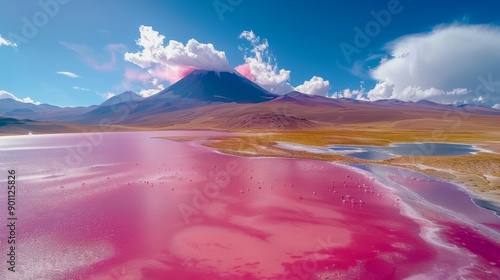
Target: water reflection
(405,149)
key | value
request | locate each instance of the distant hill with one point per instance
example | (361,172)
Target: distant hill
(268,121)
(9,104)
(9,121)
(227,100)
(123,97)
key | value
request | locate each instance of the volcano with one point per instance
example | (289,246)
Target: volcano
(217,87)
(197,89)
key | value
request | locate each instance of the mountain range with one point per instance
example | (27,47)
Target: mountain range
(227,100)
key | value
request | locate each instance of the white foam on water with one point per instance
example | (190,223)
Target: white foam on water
(306,148)
(429,231)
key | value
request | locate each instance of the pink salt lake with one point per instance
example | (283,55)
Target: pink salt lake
(129,206)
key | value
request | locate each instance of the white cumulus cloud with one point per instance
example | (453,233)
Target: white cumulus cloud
(315,86)
(261,67)
(172,61)
(151,91)
(385,90)
(382,90)
(451,64)
(351,93)
(5,94)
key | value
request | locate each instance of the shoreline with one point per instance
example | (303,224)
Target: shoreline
(466,182)
(454,178)
(412,196)
(459,179)
(479,203)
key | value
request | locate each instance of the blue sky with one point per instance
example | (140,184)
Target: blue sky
(90,39)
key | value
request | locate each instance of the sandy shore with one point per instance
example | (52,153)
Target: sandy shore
(479,173)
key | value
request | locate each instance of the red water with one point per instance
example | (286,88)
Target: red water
(134,207)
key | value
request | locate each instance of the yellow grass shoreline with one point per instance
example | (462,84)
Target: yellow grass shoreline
(478,173)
